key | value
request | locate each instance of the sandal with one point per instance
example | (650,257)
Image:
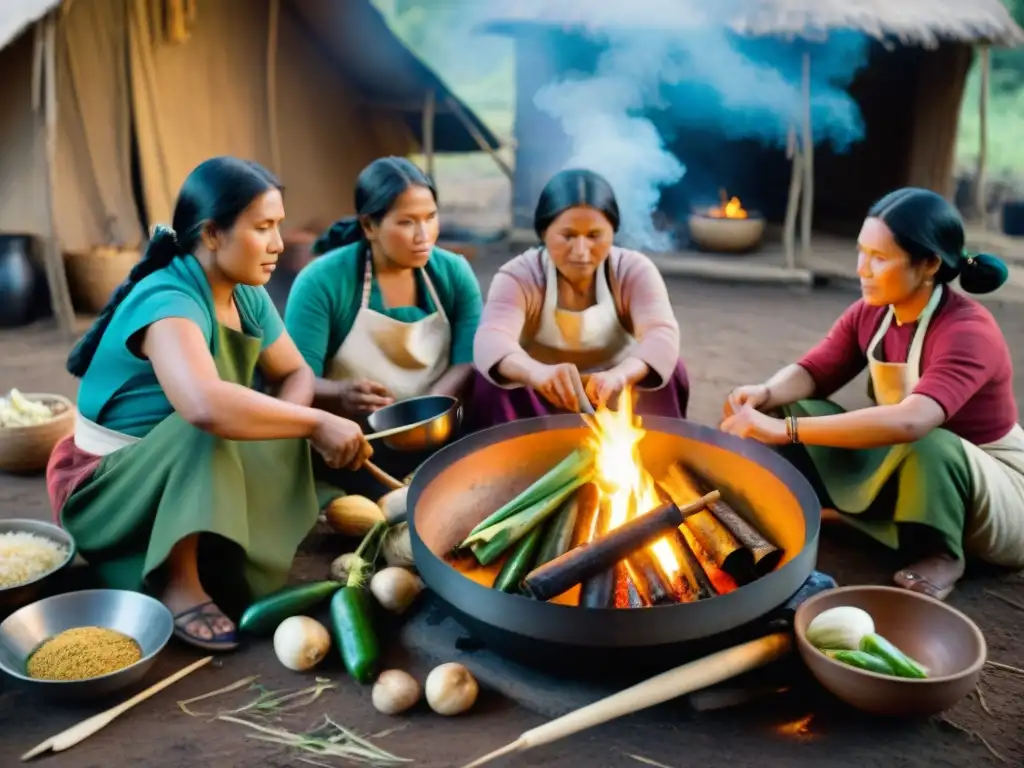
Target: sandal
(911,579)
(207,613)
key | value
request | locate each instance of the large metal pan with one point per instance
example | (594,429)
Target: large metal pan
(466,481)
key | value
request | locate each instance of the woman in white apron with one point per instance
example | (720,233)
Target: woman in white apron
(383,314)
(936,467)
(180,477)
(577,317)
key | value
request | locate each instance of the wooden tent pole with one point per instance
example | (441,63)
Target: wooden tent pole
(478,137)
(807,213)
(793,203)
(429,115)
(983,97)
(273,29)
(56,277)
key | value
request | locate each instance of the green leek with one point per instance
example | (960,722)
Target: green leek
(489,544)
(577,463)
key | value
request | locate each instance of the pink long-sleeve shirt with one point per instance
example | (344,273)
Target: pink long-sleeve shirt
(512,313)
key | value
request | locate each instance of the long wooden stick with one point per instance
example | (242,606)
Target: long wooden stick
(86,728)
(661,688)
(383,477)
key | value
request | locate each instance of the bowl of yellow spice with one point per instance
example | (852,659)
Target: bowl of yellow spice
(84,644)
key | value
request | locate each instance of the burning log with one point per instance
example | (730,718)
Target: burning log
(766,556)
(692,583)
(648,578)
(722,547)
(579,564)
(599,590)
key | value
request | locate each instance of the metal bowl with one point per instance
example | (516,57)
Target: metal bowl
(139,616)
(22,594)
(432,420)
(941,638)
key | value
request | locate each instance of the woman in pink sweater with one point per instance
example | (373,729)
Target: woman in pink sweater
(576,311)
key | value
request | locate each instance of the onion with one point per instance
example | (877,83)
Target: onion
(840,628)
(451,689)
(300,643)
(395,588)
(395,691)
(397,546)
(342,566)
(393,505)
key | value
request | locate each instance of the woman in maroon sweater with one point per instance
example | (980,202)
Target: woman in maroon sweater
(936,466)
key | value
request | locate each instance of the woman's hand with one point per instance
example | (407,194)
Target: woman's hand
(605,387)
(557,385)
(748,422)
(340,442)
(755,396)
(362,396)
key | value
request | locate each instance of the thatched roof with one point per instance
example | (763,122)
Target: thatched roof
(921,22)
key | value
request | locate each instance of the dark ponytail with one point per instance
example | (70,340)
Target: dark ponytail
(378,186)
(214,194)
(926,225)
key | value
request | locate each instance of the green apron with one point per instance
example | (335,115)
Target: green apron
(257,497)
(888,490)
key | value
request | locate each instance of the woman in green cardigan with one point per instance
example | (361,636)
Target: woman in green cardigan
(384,314)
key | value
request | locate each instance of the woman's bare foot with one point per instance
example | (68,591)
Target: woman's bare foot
(197,620)
(934,576)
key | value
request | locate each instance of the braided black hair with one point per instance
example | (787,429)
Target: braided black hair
(378,186)
(214,194)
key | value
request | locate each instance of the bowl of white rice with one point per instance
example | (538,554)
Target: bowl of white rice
(32,554)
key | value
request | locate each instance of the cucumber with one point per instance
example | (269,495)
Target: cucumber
(264,615)
(557,538)
(861,660)
(519,561)
(354,633)
(901,664)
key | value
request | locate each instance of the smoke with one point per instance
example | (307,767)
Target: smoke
(705,79)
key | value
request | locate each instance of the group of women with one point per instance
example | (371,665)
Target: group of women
(190,472)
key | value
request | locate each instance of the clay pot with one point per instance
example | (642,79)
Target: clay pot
(17,281)
(723,235)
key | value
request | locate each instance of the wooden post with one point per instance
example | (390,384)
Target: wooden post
(429,115)
(478,137)
(979,177)
(273,28)
(793,203)
(807,213)
(56,277)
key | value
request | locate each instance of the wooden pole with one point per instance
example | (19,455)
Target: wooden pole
(56,277)
(983,97)
(273,28)
(793,203)
(429,117)
(478,137)
(807,214)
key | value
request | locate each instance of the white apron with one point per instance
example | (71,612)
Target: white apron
(407,358)
(97,440)
(592,339)
(995,522)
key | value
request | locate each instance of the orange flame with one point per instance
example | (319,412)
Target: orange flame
(729,209)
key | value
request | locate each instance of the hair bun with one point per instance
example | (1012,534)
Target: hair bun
(983,273)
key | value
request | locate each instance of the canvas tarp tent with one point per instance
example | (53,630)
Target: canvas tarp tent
(314,89)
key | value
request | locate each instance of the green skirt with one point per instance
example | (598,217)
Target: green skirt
(890,492)
(252,502)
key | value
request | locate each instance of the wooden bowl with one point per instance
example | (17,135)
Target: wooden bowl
(27,449)
(941,638)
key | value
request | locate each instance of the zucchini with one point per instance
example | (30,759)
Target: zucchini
(861,660)
(519,561)
(901,664)
(264,615)
(354,633)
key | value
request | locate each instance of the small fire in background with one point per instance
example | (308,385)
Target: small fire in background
(730,208)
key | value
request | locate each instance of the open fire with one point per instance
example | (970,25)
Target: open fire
(730,208)
(703,549)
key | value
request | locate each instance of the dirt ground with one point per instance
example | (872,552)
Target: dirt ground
(731,335)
